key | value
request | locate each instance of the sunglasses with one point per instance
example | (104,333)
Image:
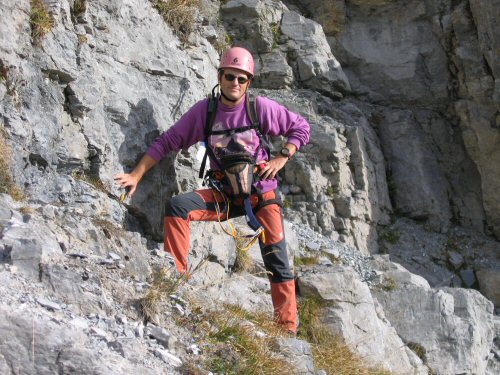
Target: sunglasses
(231,77)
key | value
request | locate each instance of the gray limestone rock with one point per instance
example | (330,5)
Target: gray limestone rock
(298,353)
(86,101)
(451,328)
(352,313)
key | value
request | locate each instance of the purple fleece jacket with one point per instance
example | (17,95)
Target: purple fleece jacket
(275,120)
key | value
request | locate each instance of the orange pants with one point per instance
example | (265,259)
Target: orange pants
(200,205)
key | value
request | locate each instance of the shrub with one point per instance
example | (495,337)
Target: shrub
(178,14)
(41,21)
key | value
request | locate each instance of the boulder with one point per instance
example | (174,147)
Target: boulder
(450,329)
(351,312)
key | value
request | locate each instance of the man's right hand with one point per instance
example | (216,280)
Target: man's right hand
(127,181)
(130,180)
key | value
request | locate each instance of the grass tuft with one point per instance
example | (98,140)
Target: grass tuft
(7,185)
(79,7)
(41,21)
(93,180)
(276,31)
(4,71)
(330,353)
(235,348)
(166,281)
(243,261)
(306,261)
(178,14)
(388,284)
(222,44)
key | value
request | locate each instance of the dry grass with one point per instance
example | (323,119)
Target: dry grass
(41,21)
(4,71)
(236,341)
(233,347)
(165,282)
(79,7)
(329,352)
(7,184)
(92,180)
(243,261)
(178,14)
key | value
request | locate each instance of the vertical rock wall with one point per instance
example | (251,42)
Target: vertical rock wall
(433,68)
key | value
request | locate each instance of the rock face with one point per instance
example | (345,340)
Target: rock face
(352,313)
(453,347)
(437,56)
(403,106)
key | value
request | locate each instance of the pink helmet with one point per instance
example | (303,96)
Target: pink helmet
(237,58)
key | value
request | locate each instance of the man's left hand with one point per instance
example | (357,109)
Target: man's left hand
(273,166)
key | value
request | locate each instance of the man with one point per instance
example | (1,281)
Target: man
(234,76)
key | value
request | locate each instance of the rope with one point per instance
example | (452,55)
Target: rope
(233,233)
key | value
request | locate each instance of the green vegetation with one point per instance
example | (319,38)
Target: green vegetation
(419,350)
(388,284)
(332,257)
(243,261)
(306,261)
(178,14)
(286,203)
(222,44)
(165,282)
(7,185)
(330,191)
(276,31)
(82,39)
(233,346)
(452,245)
(41,21)
(390,236)
(391,186)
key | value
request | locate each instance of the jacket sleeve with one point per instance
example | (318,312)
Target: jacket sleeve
(276,120)
(187,131)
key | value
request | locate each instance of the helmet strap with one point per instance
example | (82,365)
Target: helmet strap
(228,99)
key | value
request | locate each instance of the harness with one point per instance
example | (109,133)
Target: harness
(237,170)
(251,107)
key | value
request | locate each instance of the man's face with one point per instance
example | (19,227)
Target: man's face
(234,83)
